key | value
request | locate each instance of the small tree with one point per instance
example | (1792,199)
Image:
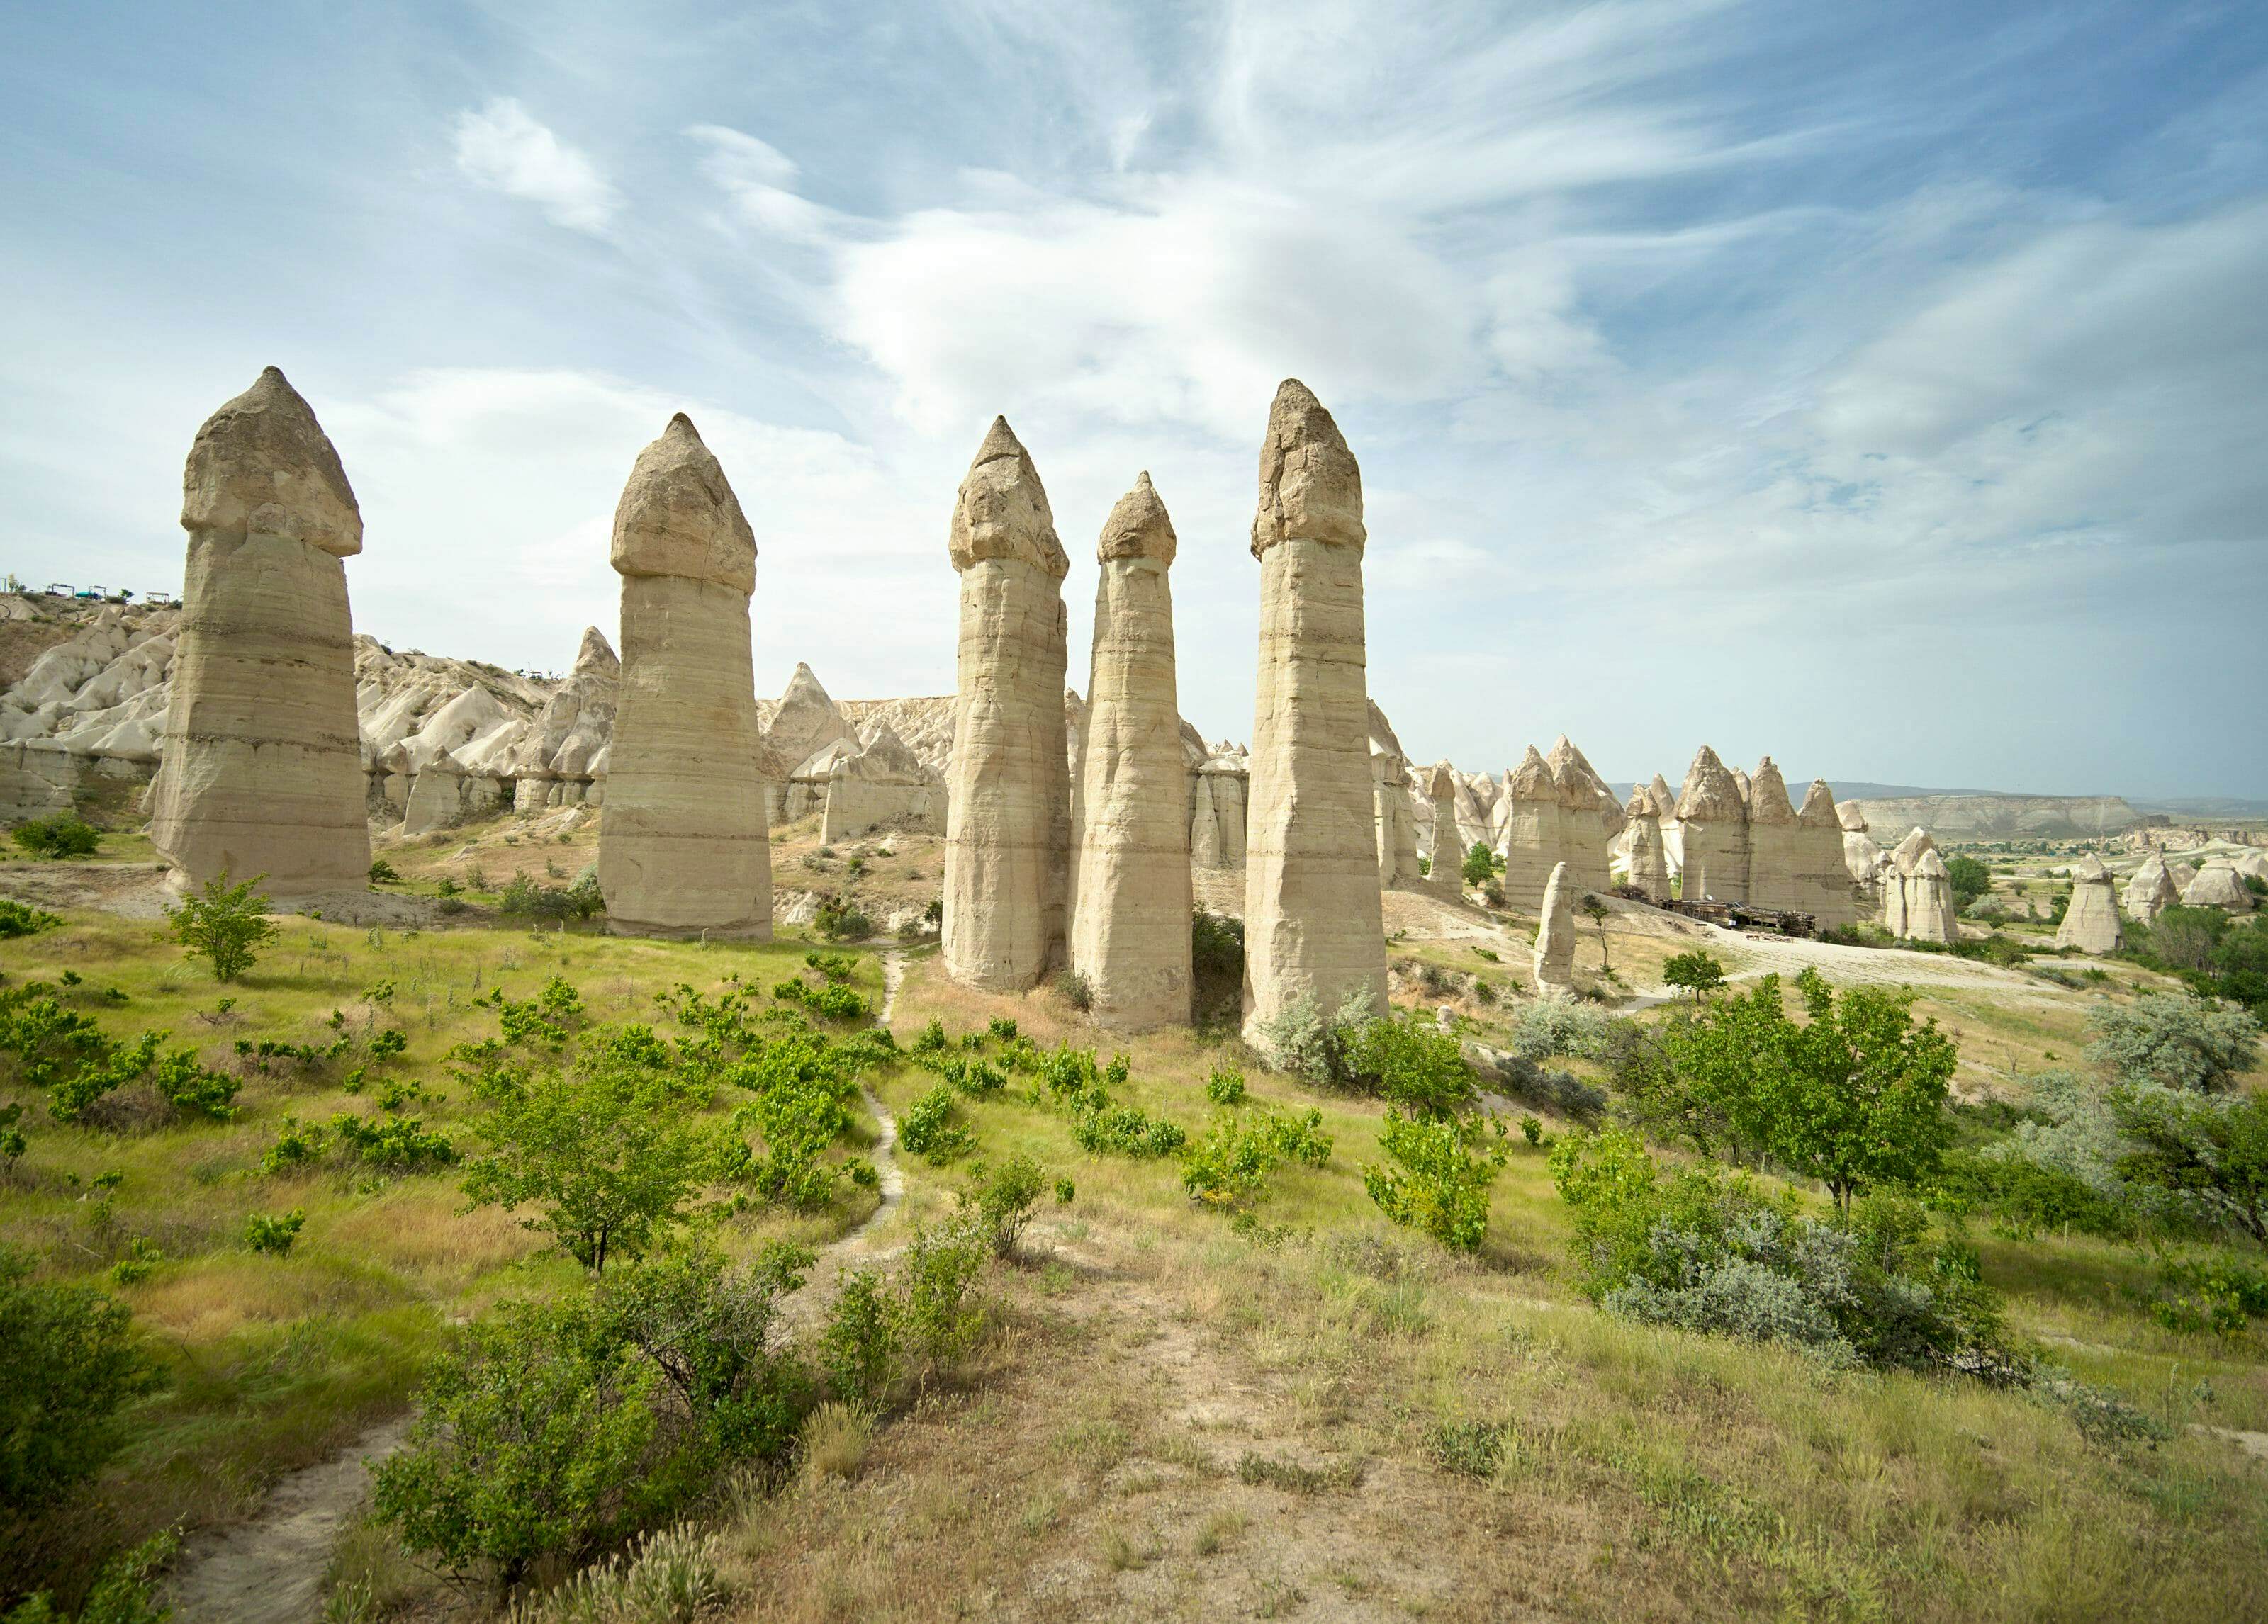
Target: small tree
(2173,1041)
(223,924)
(1480,866)
(71,1363)
(1407,1058)
(2213,1151)
(1441,1177)
(1595,911)
(1970,879)
(1697,972)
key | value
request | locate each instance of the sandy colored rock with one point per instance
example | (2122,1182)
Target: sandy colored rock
(2090,924)
(1007,844)
(1312,920)
(2218,884)
(1130,923)
(877,784)
(1712,820)
(263,758)
(1585,827)
(1446,856)
(1532,833)
(1394,818)
(2151,890)
(1824,886)
(1649,864)
(1771,840)
(1930,915)
(1555,935)
(683,849)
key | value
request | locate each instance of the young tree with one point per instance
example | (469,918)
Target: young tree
(71,1364)
(1440,1180)
(1595,911)
(608,1152)
(2214,1152)
(1970,879)
(2173,1041)
(1480,866)
(1697,972)
(224,925)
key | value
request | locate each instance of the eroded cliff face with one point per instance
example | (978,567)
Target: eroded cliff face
(2001,817)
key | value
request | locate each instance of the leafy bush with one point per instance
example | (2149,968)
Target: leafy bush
(274,1233)
(1217,967)
(1441,1177)
(1696,971)
(1405,1057)
(66,835)
(1224,1085)
(18,920)
(1126,1130)
(839,919)
(1549,1027)
(2173,1041)
(382,872)
(1970,879)
(1479,866)
(223,925)
(1311,1045)
(184,1084)
(938,1316)
(123,1591)
(523,897)
(72,1365)
(1693,1247)
(928,1129)
(1227,1169)
(1000,1199)
(1078,988)
(858,1345)
(2210,1153)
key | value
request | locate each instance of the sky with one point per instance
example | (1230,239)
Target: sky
(1883,386)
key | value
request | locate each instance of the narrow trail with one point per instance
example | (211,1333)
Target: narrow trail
(270,1570)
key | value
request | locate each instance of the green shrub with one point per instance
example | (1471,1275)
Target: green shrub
(223,925)
(1126,1130)
(928,1128)
(1472,1448)
(2210,1154)
(671,1577)
(12,1142)
(18,920)
(1224,1085)
(124,1590)
(1000,1199)
(390,1144)
(66,835)
(2173,1041)
(382,872)
(1406,1058)
(274,1233)
(1439,1182)
(72,1365)
(1078,989)
(858,1345)
(1695,972)
(523,897)
(184,1084)
(1228,1169)
(939,1315)
(839,919)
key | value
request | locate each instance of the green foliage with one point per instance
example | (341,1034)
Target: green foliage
(928,1129)
(382,872)
(1126,1130)
(2210,1153)
(1000,1199)
(1228,1169)
(392,1144)
(72,1365)
(604,1148)
(1697,972)
(524,898)
(876,1329)
(2173,1041)
(12,1142)
(1224,1085)
(187,1086)
(18,920)
(123,1592)
(223,925)
(1479,866)
(1311,1044)
(66,835)
(274,1233)
(827,999)
(1216,944)
(840,919)
(1693,1247)
(1439,1182)
(44,1041)
(1405,1057)
(1970,879)
(858,1345)
(69,1100)
(932,1039)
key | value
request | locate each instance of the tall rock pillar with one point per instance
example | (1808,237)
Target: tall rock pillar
(683,844)
(1713,822)
(1554,964)
(1007,840)
(1448,855)
(1649,865)
(1822,880)
(262,765)
(1534,837)
(1131,924)
(1312,923)
(1771,840)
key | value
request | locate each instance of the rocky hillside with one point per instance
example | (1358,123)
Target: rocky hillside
(2002,816)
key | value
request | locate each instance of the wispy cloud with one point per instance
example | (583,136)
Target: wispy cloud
(501,147)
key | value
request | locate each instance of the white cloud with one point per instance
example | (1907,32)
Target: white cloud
(501,147)
(759,179)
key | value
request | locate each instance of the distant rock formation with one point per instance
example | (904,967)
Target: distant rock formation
(1555,936)
(1394,818)
(1446,857)
(1771,840)
(1712,819)
(1824,886)
(2002,816)
(1531,834)
(876,783)
(2218,884)
(263,764)
(2151,891)
(2090,924)
(1649,864)
(683,849)
(1589,816)
(1314,928)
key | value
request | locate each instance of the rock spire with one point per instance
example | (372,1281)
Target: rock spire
(1447,856)
(1533,831)
(1823,875)
(1713,818)
(1649,866)
(1555,935)
(2090,924)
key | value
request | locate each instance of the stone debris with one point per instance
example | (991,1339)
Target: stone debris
(1712,819)
(262,772)
(2218,884)
(1555,935)
(683,849)
(2090,924)
(1007,852)
(1131,921)
(1313,918)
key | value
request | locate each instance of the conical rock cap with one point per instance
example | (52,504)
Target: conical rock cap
(1310,484)
(262,465)
(678,517)
(1001,511)
(1137,527)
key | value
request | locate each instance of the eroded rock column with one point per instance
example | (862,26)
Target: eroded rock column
(1649,864)
(1534,837)
(1130,923)
(263,771)
(1007,842)
(1823,888)
(1313,925)
(1554,965)
(683,849)
(1449,857)
(1713,822)
(1771,840)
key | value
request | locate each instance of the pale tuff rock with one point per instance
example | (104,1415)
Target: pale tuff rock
(1712,819)
(2184,875)
(2004,817)
(2090,924)
(682,845)
(1649,865)
(1555,936)
(1393,820)
(1532,834)
(1007,857)
(1446,856)
(876,782)
(263,769)
(1476,797)
(2253,864)
(806,720)
(1896,867)
(1664,799)
(1930,914)
(1771,839)
(2218,885)
(1130,927)
(576,724)
(1217,810)
(1312,920)
(1585,827)
(1824,887)
(2151,891)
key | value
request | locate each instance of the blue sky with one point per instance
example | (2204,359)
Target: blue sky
(1881,386)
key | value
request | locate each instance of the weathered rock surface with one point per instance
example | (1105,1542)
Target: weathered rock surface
(1649,864)
(2217,885)
(1589,815)
(1824,886)
(683,849)
(1129,926)
(876,782)
(1555,935)
(1712,819)
(1532,832)
(1313,918)
(2091,922)
(2001,817)
(262,768)
(1773,840)
(2151,890)
(1446,856)
(1394,818)
(1007,857)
